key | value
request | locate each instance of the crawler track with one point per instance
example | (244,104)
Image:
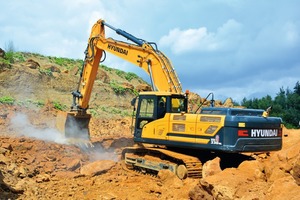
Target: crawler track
(152,160)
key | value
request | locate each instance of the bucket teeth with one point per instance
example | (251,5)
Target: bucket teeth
(81,143)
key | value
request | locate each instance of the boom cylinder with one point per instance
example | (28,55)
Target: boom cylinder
(125,34)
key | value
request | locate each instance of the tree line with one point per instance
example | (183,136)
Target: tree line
(286,105)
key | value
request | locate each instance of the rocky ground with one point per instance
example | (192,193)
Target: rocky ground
(37,162)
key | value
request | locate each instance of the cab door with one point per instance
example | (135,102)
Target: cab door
(144,114)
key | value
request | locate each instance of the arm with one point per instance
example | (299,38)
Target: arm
(141,54)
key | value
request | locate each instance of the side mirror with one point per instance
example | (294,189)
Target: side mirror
(133,101)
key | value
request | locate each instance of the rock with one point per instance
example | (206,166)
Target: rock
(49,167)
(232,183)
(143,87)
(17,188)
(102,76)
(218,103)
(3,159)
(252,168)
(3,150)
(211,167)
(283,188)
(2,53)
(50,157)
(29,159)
(282,163)
(7,146)
(200,192)
(97,167)
(23,172)
(11,167)
(228,103)
(296,170)
(193,101)
(32,64)
(165,175)
(127,86)
(170,179)
(22,185)
(42,178)
(52,68)
(74,164)
(206,102)
(276,174)
(66,174)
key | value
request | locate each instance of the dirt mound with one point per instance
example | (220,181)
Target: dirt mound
(267,176)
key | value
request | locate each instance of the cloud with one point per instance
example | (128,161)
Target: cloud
(291,33)
(213,45)
(251,89)
(200,39)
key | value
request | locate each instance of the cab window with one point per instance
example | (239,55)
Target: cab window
(178,105)
(147,108)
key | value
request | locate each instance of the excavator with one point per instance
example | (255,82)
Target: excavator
(169,137)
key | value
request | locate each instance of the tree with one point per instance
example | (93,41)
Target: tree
(9,46)
(286,105)
(297,88)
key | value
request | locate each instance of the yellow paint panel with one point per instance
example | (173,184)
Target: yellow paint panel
(202,141)
(209,125)
(156,129)
(242,124)
(182,139)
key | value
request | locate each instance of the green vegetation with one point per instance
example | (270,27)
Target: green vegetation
(27,102)
(9,53)
(128,76)
(106,68)
(18,57)
(66,62)
(9,56)
(115,111)
(7,100)
(286,105)
(117,88)
(59,106)
(47,72)
(4,63)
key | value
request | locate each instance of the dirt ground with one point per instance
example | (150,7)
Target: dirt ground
(48,167)
(37,162)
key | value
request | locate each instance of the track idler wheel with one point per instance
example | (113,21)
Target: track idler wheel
(181,172)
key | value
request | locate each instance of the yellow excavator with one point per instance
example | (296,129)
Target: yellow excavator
(162,119)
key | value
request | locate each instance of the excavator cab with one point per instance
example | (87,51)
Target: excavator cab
(152,106)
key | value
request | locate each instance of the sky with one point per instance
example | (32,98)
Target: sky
(233,48)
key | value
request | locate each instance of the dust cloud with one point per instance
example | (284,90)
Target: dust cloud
(21,124)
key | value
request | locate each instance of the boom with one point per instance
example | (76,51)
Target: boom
(141,54)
